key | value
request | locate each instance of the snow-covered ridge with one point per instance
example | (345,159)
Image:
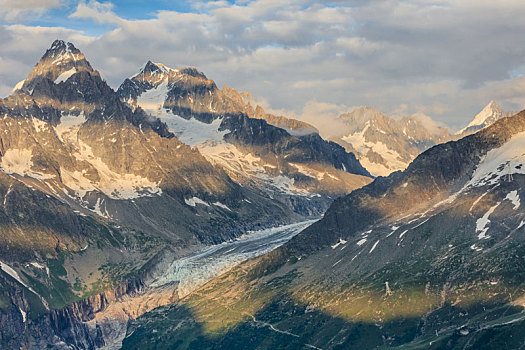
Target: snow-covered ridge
(19,161)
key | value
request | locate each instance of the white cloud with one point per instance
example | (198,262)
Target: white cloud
(16,10)
(97,11)
(443,58)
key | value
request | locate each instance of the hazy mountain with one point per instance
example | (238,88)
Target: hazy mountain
(383,144)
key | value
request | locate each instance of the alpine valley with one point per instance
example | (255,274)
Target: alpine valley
(171,214)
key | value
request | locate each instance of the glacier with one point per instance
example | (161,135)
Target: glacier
(207,263)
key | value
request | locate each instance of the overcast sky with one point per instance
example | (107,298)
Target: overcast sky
(445,59)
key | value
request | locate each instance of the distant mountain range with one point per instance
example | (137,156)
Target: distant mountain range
(384,144)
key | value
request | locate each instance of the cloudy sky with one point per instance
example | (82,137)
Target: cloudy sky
(443,58)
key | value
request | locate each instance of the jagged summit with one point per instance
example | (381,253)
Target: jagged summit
(153,71)
(60,50)
(154,74)
(58,64)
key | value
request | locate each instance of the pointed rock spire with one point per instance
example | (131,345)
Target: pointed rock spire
(58,63)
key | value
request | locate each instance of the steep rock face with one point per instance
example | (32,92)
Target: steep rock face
(254,153)
(431,257)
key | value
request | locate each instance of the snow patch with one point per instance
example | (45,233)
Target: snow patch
(18,86)
(39,125)
(69,123)
(483,222)
(373,247)
(41,267)
(476,248)
(477,201)
(394,229)
(23,314)
(189,131)
(192,202)
(98,210)
(19,161)
(65,75)
(514,198)
(319,175)
(361,242)
(341,241)
(220,205)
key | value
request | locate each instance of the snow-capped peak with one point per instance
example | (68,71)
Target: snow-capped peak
(487,116)
(61,52)
(58,64)
(154,73)
(155,68)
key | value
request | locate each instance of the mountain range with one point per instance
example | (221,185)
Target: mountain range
(170,213)
(101,188)
(384,144)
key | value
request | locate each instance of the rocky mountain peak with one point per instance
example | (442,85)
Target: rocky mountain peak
(193,72)
(58,64)
(154,73)
(62,50)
